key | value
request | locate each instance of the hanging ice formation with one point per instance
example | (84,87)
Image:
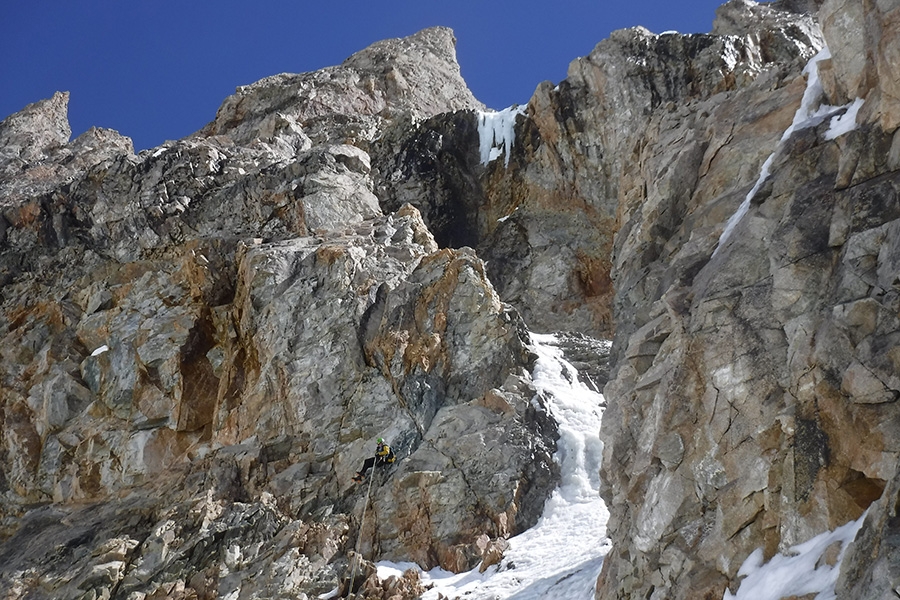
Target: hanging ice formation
(496,132)
(811,113)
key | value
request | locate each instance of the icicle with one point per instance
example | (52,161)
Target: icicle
(496,133)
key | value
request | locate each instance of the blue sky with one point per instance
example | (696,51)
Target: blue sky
(158,69)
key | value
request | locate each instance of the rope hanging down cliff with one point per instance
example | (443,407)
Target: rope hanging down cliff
(362,523)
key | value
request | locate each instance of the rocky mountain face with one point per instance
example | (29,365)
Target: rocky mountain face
(756,379)
(202,341)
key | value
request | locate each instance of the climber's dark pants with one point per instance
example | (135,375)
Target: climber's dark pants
(372,460)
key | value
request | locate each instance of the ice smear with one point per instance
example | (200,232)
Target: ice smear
(496,132)
(561,556)
(846,122)
(810,113)
(100,350)
(798,572)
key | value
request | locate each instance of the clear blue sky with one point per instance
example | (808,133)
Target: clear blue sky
(158,69)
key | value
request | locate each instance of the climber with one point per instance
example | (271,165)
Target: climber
(383,455)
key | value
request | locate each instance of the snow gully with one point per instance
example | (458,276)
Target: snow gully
(561,556)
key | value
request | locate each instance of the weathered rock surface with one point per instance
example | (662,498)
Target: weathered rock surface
(865,48)
(754,396)
(201,342)
(545,219)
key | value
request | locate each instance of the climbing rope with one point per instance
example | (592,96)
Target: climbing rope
(362,524)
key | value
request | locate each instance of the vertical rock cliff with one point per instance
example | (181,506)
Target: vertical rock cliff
(754,397)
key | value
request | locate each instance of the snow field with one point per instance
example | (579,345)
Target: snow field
(561,556)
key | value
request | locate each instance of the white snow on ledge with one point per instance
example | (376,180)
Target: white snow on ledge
(799,571)
(503,219)
(100,350)
(846,122)
(496,132)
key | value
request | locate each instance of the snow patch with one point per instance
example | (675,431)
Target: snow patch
(100,350)
(335,593)
(846,122)
(503,219)
(731,55)
(496,132)
(561,556)
(810,114)
(798,572)
(387,569)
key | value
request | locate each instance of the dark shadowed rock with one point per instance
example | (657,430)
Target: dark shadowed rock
(544,218)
